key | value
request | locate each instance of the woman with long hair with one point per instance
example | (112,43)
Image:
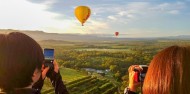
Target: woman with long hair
(168,73)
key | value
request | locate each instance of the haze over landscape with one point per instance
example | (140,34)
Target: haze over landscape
(41,35)
(132,18)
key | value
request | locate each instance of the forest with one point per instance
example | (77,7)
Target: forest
(111,59)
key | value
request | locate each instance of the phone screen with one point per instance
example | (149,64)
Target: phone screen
(49,54)
(145,68)
(143,73)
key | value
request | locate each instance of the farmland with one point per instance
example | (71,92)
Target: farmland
(116,57)
(78,82)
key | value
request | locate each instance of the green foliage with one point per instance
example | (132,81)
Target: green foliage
(116,56)
(113,68)
(48,91)
(117,75)
(78,80)
(90,86)
(105,86)
(76,84)
(69,75)
(111,90)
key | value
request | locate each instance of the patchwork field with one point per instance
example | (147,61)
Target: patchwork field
(78,82)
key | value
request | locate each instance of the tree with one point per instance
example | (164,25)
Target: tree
(113,68)
(117,75)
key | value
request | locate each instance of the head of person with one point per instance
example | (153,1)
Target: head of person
(169,72)
(21,60)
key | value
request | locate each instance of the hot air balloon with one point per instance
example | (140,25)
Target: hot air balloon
(116,33)
(82,13)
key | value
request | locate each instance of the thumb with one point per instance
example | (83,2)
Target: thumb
(44,72)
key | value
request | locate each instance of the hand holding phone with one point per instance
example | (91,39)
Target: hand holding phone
(140,74)
(49,57)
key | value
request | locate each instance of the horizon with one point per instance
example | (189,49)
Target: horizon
(95,35)
(132,18)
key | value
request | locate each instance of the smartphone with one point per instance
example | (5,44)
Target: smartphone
(49,57)
(140,75)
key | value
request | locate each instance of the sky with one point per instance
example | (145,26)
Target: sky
(131,18)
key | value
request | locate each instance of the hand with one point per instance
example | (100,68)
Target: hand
(133,85)
(44,71)
(56,67)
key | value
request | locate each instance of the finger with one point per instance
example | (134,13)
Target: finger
(54,62)
(138,68)
(56,67)
(132,67)
(44,72)
(43,67)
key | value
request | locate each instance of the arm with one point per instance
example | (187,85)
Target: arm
(133,85)
(57,83)
(39,84)
(56,80)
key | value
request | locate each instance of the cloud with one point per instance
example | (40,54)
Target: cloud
(120,13)
(111,17)
(171,8)
(43,1)
(110,10)
(128,14)
(107,15)
(21,14)
(142,32)
(94,26)
(31,16)
(174,12)
(129,11)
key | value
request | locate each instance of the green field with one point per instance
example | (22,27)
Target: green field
(115,56)
(78,82)
(69,75)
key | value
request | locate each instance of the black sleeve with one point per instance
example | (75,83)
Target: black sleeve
(38,85)
(57,82)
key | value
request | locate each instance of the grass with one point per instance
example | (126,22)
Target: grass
(68,75)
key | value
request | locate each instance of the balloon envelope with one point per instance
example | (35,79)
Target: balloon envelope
(82,13)
(116,33)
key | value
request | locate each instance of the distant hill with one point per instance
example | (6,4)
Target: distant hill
(186,37)
(40,35)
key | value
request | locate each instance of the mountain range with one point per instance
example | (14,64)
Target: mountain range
(41,35)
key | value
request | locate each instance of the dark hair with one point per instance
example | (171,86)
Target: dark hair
(169,72)
(20,55)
